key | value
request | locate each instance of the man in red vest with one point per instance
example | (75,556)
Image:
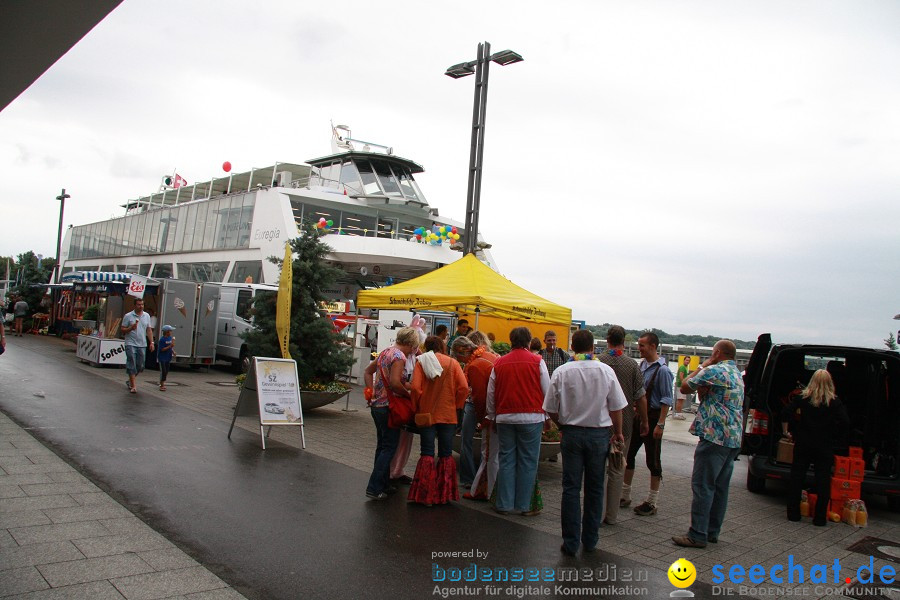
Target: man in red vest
(515,398)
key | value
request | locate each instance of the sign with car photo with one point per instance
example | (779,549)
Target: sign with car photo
(278,391)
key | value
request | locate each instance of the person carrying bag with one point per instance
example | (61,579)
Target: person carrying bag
(439,389)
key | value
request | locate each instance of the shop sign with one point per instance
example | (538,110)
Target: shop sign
(137,286)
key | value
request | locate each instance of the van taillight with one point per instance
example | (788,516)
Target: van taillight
(757,422)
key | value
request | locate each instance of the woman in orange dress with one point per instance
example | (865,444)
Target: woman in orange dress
(438,391)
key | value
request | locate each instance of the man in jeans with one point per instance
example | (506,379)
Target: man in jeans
(586,401)
(137,330)
(718,425)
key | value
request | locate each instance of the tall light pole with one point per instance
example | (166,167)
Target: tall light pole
(480,67)
(62,205)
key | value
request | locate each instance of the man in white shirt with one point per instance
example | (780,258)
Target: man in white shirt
(586,401)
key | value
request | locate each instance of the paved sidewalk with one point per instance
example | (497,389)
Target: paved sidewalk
(62,537)
(756,530)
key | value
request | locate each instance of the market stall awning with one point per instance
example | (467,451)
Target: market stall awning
(96,276)
(468,286)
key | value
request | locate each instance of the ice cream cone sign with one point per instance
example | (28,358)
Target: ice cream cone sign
(179,304)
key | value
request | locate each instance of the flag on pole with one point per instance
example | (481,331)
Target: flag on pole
(283,305)
(179,181)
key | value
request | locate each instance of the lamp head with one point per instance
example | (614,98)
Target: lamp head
(460,70)
(506,57)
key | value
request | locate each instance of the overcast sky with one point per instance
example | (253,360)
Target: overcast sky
(722,168)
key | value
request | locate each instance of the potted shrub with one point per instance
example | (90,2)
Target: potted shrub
(320,351)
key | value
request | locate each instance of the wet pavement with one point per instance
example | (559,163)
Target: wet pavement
(280,523)
(287,523)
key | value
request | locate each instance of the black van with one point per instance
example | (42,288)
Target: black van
(868,383)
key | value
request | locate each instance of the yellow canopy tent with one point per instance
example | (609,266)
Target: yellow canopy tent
(469,287)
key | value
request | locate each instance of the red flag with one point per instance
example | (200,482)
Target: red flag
(179,181)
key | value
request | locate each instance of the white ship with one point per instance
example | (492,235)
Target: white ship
(225,229)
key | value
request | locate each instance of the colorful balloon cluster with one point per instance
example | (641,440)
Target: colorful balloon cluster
(418,323)
(324,225)
(436,236)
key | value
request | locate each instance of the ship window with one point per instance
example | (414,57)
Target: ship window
(165,223)
(200,225)
(145,236)
(387,227)
(246,221)
(162,270)
(108,268)
(189,224)
(244,269)
(129,269)
(407,185)
(329,173)
(357,224)
(180,214)
(154,233)
(233,223)
(350,178)
(408,230)
(211,271)
(144,269)
(212,220)
(369,180)
(388,183)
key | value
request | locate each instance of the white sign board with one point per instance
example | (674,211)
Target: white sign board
(137,285)
(278,391)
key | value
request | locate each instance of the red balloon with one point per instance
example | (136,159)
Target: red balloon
(226,166)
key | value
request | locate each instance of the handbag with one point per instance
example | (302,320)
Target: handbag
(400,408)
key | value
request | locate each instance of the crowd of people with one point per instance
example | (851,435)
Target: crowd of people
(605,405)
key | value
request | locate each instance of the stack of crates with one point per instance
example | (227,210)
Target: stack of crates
(847,481)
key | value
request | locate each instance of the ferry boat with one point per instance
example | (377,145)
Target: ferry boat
(225,229)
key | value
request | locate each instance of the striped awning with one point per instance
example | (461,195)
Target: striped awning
(96,276)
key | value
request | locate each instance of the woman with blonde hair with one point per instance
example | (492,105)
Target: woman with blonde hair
(813,415)
(385,384)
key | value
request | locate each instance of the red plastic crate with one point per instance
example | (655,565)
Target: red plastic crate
(843,489)
(856,452)
(841,467)
(857,469)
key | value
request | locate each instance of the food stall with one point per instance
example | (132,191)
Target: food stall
(99,341)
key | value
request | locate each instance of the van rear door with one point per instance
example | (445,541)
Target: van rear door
(754,399)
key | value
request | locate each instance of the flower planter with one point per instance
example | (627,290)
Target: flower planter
(548,449)
(310,399)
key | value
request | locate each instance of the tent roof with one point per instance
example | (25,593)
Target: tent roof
(464,286)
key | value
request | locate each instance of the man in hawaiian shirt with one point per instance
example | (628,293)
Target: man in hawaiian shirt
(718,425)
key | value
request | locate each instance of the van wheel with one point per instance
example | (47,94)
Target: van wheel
(893,502)
(244,361)
(755,484)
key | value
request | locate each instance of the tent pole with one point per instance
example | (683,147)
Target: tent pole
(477,312)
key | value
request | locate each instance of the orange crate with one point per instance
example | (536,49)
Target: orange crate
(856,452)
(811,499)
(857,469)
(841,467)
(845,488)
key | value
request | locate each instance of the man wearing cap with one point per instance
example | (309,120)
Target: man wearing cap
(137,330)
(165,354)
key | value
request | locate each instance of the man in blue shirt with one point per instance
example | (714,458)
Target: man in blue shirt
(658,383)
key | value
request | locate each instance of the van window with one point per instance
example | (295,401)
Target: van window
(814,363)
(244,304)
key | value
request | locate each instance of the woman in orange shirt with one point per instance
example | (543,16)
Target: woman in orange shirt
(438,391)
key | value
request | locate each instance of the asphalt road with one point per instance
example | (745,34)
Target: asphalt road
(280,523)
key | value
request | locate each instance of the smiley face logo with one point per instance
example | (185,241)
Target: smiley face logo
(682,573)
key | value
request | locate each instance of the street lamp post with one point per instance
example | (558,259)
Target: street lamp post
(62,204)
(480,67)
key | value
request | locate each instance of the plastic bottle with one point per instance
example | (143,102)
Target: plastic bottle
(862,517)
(804,504)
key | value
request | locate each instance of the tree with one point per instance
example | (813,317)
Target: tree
(32,271)
(318,349)
(891,342)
